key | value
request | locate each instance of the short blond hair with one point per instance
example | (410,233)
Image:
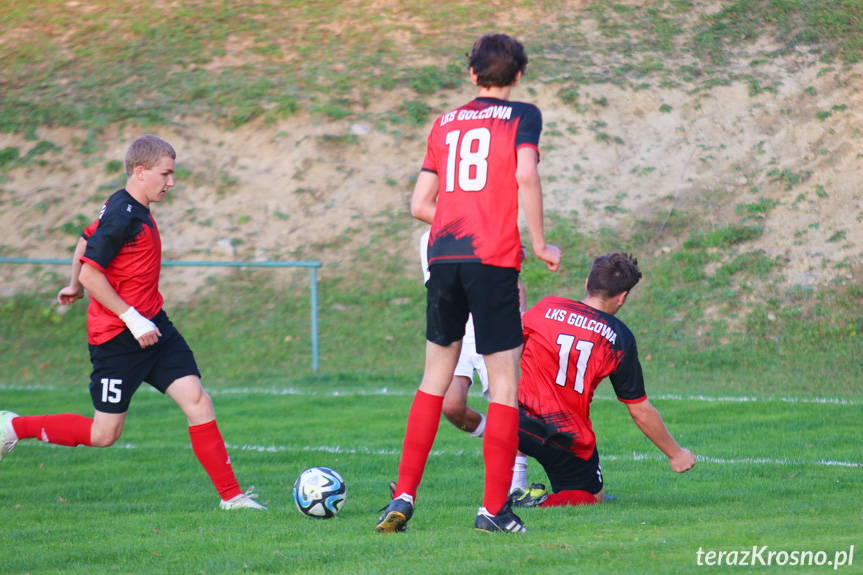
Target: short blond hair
(147,151)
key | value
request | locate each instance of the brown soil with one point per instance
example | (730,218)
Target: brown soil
(311,189)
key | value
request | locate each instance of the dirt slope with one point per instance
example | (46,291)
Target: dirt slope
(312,189)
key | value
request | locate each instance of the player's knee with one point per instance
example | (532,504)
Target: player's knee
(104,437)
(203,401)
(200,409)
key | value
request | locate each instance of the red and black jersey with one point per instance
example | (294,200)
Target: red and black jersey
(124,244)
(472,150)
(569,348)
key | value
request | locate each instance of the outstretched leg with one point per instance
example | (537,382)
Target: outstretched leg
(67,429)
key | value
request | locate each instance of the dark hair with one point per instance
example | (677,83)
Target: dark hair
(497,59)
(612,274)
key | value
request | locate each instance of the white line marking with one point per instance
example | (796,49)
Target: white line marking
(477,452)
(383,391)
(338,449)
(752,399)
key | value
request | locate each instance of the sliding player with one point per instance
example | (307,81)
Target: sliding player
(570,347)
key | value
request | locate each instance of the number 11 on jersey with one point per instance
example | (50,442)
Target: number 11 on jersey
(584,348)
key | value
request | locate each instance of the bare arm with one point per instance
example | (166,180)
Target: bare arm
(74,291)
(530,188)
(424,200)
(650,423)
(102,291)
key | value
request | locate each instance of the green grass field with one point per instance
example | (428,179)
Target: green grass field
(774,473)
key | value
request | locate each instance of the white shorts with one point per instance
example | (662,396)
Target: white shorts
(470,361)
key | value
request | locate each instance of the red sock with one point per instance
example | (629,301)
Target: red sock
(67,429)
(209,447)
(499,447)
(569,497)
(423,421)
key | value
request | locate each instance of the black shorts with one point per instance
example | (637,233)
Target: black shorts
(120,365)
(488,292)
(565,470)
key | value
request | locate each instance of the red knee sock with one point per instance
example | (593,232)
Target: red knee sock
(67,429)
(209,447)
(499,447)
(423,421)
(569,497)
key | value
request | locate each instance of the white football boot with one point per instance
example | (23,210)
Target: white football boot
(243,501)
(8,438)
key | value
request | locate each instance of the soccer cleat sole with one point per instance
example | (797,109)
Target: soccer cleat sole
(393,522)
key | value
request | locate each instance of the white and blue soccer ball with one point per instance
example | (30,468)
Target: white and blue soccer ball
(319,492)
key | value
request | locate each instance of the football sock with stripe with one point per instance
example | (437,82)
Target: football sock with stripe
(67,429)
(499,447)
(569,497)
(423,421)
(209,447)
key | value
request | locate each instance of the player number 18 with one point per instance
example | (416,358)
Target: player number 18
(471,164)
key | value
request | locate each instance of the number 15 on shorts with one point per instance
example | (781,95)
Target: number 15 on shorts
(111,391)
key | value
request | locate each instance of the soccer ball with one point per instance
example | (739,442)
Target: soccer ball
(319,492)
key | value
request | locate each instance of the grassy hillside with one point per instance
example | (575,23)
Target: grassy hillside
(92,64)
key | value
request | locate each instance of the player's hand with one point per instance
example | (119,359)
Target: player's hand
(144,330)
(550,255)
(70,294)
(682,461)
(149,338)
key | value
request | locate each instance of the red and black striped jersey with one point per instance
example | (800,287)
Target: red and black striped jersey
(569,349)
(124,244)
(472,150)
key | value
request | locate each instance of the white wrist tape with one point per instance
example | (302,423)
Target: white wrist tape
(137,324)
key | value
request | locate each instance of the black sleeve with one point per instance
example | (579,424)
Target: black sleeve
(628,379)
(109,237)
(529,126)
